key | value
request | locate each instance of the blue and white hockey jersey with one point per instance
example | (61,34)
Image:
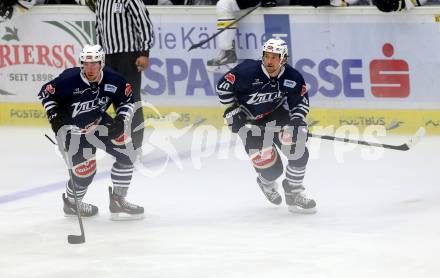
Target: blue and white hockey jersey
(250,86)
(83,103)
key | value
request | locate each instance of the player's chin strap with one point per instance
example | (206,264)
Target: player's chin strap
(281,68)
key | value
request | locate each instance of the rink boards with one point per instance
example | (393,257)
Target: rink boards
(393,121)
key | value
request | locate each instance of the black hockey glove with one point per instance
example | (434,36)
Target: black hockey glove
(56,121)
(116,128)
(91,4)
(235,118)
(268,3)
(296,127)
(300,128)
(6,9)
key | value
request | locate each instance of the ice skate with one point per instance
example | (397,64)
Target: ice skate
(122,210)
(225,62)
(297,202)
(86,210)
(270,191)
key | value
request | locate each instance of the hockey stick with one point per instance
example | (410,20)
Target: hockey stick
(50,139)
(415,139)
(196,45)
(72,239)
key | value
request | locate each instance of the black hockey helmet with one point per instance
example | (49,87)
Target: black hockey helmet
(387,6)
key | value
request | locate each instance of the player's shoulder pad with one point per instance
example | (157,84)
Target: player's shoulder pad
(69,73)
(291,72)
(65,77)
(114,78)
(248,65)
(246,68)
(111,75)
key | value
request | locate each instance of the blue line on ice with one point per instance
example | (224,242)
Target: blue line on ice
(59,185)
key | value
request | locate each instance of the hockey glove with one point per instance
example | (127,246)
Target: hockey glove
(296,127)
(6,9)
(268,3)
(116,128)
(235,118)
(56,121)
(299,126)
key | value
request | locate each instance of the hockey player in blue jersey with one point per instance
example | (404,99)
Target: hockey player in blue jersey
(267,104)
(76,103)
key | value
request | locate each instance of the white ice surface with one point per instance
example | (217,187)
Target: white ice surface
(376,218)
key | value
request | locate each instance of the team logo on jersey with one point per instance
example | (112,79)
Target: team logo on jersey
(257,82)
(110,88)
(83,107)
(128,89)
(258,98)
(50,89)
(289,83)
(89,90)
(230,77)
(77,91)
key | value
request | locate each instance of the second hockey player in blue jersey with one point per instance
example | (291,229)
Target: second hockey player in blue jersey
(76,103)
(272,96)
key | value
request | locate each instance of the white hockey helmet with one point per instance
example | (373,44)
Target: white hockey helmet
(92,53)
(276,46)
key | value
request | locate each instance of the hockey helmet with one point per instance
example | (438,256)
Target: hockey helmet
(387,6)
(92,53)
(276,46)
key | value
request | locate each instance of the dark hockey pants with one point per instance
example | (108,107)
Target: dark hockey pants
(125,64)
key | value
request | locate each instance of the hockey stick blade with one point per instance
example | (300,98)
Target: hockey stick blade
(420,133)
(415,139)
(74,239)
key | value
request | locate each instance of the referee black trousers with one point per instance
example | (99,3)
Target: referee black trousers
(125,64)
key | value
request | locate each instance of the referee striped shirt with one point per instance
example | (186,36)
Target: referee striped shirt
(123,26)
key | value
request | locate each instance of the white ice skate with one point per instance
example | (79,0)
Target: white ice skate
(122,210)
(270,191)
(225,62)
(296,201)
